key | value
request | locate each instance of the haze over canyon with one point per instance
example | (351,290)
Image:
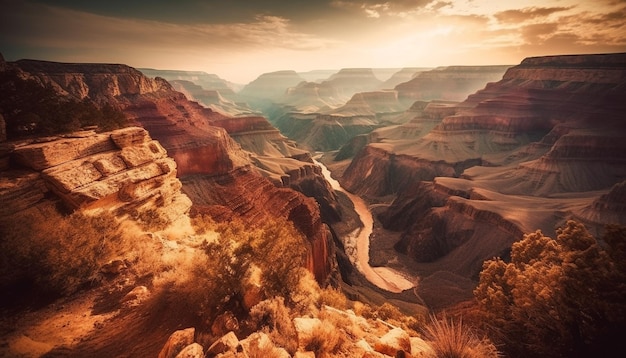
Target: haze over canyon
(446,167)
(312,179)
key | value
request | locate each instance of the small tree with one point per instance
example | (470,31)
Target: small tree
(557,297)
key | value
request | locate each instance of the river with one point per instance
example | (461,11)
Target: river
(356,244)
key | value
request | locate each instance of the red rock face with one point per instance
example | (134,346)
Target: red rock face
(543,145)
(216,173)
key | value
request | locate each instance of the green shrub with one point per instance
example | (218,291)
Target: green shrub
(150,219)
(275,247)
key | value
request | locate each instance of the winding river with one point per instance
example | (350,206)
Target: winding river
(357,243)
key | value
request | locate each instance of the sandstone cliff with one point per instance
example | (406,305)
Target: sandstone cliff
(207,81)
(124,171)
(541,146)
(203,151)
(212,99)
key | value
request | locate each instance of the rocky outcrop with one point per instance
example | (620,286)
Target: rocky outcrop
(208,161)
(123,171)
(539,147)
(211,98)
(355,337)
(206,81)
(100,83)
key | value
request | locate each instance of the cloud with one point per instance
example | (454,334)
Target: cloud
(526,14)
(44,26)
(378,8)
(437,5)
(538,33)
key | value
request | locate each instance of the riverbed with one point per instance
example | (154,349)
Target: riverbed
(356,244)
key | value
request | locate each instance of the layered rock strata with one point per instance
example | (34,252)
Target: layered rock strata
(541,146)
(124,171)
(202,151)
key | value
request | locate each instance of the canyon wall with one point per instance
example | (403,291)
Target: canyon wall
(124,171)
(208,160)
(541,146)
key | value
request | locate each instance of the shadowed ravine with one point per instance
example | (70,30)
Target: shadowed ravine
(356,245)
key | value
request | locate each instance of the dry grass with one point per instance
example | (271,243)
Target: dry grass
(325,340)
(454,340)
(333,297)
(274,317)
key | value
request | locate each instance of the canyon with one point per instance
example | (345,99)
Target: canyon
(216,173)
(403,186)
(541,146)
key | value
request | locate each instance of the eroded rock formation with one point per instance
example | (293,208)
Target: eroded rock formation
(124,171)
(543,145)
(208,161)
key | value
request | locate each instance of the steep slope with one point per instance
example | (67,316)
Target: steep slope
(120,171)
(543,145)
(207,81)
(212,99)
(207,158)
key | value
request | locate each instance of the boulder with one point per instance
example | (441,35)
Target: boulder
(227,343)
(394,341)
(420,348)
(259,344)
(136,296)
(193,350)
(305,327)
(224,323)
(177,342)
(130,136)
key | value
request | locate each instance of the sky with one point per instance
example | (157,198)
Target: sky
(239,40)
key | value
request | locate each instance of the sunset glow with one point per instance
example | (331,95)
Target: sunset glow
(239,40)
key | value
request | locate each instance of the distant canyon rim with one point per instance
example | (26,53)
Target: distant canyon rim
(464,160)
